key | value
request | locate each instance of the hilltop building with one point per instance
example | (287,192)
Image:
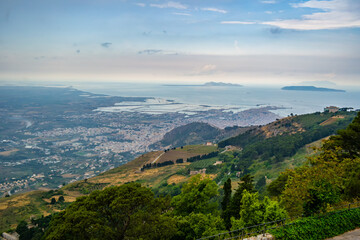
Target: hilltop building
(331,109)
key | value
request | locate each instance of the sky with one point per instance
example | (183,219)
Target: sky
(281,42)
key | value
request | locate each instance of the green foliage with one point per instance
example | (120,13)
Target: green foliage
(53,201)
(197,225)
(196,197)
(327,178)
(253,211)
(126,212)
(51,193)
(61,199)
(225,214)
(36,231)
(227,195)
(276,149)
(323,227)
(321,193)
(235,203)
(348,139)
(203,163)
(352,186)
(261,183)
(276,187)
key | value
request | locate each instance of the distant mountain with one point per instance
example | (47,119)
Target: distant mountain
(221,84)
(207,84)
(311,88)
(197,133)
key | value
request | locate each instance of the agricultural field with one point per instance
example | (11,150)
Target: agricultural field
(186,152)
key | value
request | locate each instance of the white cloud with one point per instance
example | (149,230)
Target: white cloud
(214,10)
(170,4)
(182,14)
(140,4)
(237,22)
(206,69)
(269,1)
(334,14)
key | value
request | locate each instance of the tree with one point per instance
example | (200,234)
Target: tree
(276,187)
(24,232)
(196,197)
(348,139)
(235,203)
(198,225)
(254,211)
(61,199)
(227,194)
(225,203)
(261,183)
(53,201)
(129,211)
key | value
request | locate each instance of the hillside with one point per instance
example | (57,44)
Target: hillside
(197,133)
(256,151)
(37,203)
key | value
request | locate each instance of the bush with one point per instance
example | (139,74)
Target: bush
(322,227)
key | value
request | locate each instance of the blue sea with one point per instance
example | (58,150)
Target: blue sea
(245,97)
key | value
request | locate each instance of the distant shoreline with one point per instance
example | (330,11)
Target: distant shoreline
(311,88)
(208,84)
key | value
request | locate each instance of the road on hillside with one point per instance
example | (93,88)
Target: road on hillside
(352,235)
(158,157)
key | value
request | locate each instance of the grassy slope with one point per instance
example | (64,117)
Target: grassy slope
(31,204)
(272,171)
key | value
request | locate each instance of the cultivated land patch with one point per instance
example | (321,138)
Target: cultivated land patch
(176,179)
(8,153)
(331,120)
(186,152)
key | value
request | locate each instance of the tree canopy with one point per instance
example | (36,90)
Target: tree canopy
(129,211)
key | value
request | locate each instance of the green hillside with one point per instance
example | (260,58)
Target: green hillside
(197,133)
(263,151)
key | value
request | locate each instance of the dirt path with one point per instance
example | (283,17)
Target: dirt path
(354,234)
(158,157)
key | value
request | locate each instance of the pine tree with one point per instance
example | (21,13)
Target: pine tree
(225,203)
(235,203)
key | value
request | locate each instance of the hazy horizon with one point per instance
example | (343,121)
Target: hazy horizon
(272,42)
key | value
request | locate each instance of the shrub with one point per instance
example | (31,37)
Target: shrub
(322,227)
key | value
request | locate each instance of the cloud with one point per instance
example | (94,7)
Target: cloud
(237,22)
(140,4)
(269,1)
(276,30)
(206,69)
(150,51)
(214,10)
(106,44)
(156,51)
(78,51)
(170,4)
(333,14)
(182,14)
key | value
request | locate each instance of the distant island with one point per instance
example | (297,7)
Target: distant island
(221,84)
(207,84)
(311,88)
